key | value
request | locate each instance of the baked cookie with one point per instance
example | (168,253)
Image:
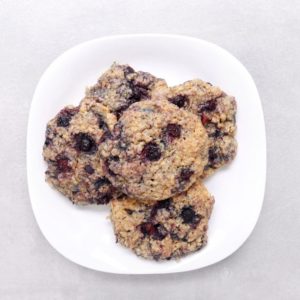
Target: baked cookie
(121,85)
(217,112)
(157,150)
(164,229)
(71,149)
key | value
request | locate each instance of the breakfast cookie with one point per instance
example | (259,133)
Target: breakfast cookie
(156,150)
(164,229)
(71,151)
(217,112)
(121,85)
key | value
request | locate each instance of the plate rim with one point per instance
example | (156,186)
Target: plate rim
(143,35)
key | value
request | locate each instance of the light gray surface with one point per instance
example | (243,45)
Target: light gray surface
(264,35)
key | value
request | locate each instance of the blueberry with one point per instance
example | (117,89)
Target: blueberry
(85,143)
(103,198)
(89,169)
(163,204)
(207,106)
(185,174)
(48,141)
(100,182)
(65,116)
(147,228)
(151,151)
(138,91)
(172,131)
(62,163)
(129,211)
(189,216)
(128,70)
(213,154)
(156,231)
(179,100)
(160,232)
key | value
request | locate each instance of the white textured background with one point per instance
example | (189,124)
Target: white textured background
(264,35)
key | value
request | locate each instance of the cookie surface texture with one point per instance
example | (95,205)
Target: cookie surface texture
(157,150)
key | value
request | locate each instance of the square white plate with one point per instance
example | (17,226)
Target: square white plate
(84,234)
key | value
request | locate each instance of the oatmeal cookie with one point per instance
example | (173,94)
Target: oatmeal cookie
(156,151)
(73,138)
(121,85)
(217,112)
(164,229)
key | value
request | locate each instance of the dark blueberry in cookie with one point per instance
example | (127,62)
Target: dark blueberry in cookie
(213,156)
(179,100)
(100,182)
(48,141)
(89,169)
(172,131)
(129,211)
(103,198)
(157,231)
(138,91)
(65,116)
(185,174)
(151,151)
(128,70)
(160,205)
(163,203)
(160,232)
(207,106)
(147,228)
(62,163)
(217,133)
(85,143)
(63,121)
(188,215)
(114,158)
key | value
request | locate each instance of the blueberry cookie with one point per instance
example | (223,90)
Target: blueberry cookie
(71,150)
(156,151)
(121,85)
(164,229)
(217,112)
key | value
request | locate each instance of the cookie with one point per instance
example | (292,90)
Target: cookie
(121,85)
(217,112)
(164,229)
(73,139)
(156,151)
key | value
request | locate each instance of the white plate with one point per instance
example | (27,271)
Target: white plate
(85,235)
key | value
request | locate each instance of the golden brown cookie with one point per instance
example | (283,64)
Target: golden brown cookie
(71,150)
(156,151)
(164,229)
(217,112)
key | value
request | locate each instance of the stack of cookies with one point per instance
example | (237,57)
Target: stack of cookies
(144,148)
